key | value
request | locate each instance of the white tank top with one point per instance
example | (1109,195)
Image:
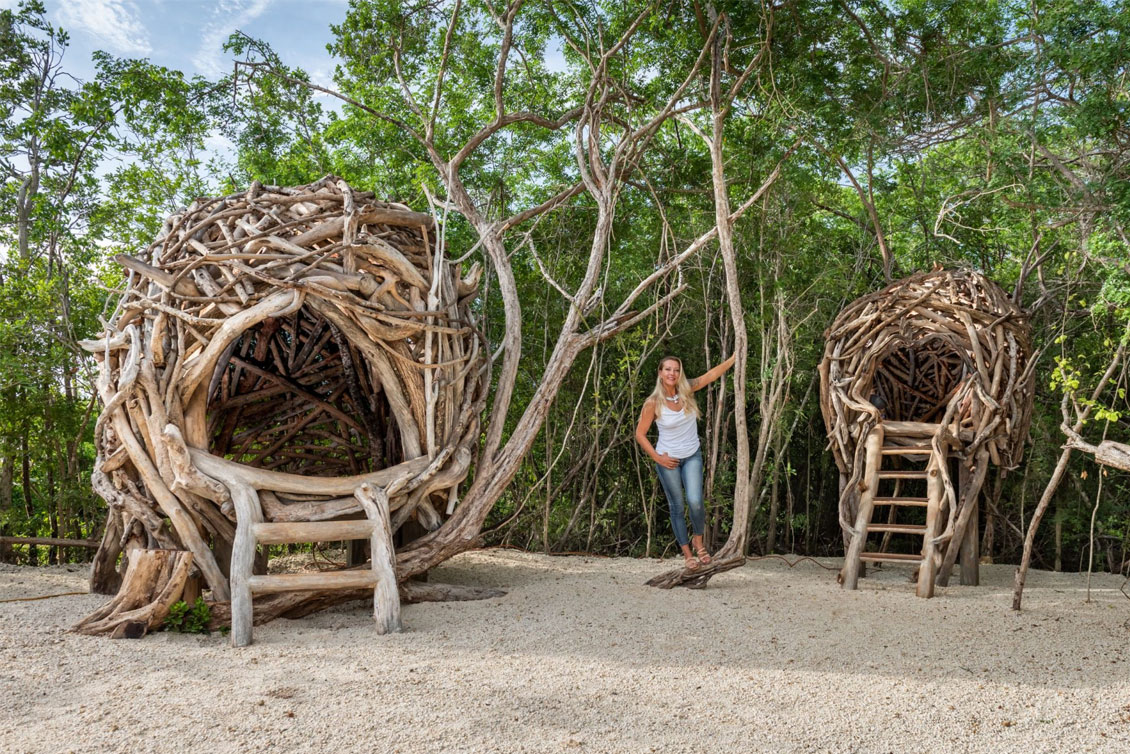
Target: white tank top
(678,433)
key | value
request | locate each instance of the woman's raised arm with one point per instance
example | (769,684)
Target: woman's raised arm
(698,383)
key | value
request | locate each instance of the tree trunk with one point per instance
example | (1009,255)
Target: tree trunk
(7,481)
(1061,467)
(1030,538)
(25,479)
(774,498)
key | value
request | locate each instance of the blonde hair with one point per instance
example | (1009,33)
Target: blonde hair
(683,389)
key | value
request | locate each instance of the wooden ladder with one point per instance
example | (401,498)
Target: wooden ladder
(251,530)
(876,451)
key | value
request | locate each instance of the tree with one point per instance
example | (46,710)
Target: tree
(55,135)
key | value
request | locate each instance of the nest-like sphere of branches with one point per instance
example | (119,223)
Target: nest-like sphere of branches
(299,340)
(939,347)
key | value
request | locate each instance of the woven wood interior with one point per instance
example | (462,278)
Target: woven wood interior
(296,396)
(916,380)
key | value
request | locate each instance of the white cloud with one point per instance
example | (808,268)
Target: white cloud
(218,145)
(228,16)
(113,24)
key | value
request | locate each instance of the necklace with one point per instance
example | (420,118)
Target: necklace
(673,399)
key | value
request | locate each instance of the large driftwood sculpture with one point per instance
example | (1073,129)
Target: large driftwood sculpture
(286,345)
(933,367)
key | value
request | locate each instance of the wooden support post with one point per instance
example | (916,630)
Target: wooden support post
(870,485)
(970,546)
(386,599)
(248,513)
(965,513)
(935,489)
(852,507)
(192,589)
(104,576)
(354,552)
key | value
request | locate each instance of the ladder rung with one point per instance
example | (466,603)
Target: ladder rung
(903,474)
(297,582)
(909,429)
(916,501)
(906,450)
(891,557)
(897,528)
(311,531)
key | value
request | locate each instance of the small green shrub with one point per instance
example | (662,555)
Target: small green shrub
(185,619)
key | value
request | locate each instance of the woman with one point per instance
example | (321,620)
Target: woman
(677,456)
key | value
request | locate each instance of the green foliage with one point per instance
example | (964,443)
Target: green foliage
(67,204)
(984,134)
(188,619)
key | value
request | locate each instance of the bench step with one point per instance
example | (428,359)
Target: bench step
(298,582)
(311,531)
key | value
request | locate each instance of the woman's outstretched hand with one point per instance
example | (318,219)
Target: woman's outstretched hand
(667,461)
(700,382)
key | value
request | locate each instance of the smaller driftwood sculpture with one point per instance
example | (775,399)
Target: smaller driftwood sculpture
(282,347)
(937,366)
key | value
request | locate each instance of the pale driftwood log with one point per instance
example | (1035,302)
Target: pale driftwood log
(967,508)
(1107,452)
(153,581)
(315,582)
(386,601)
(306,531)
(935,491)
(248,513)
(946,349)
(263,479)
(50,541)
(970,555)
(104,575)
(696,579)
(317,510)
(869,485)
(290,344)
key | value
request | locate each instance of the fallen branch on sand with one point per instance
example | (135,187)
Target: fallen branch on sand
(696,579)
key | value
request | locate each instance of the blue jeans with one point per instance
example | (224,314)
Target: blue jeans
(684,478)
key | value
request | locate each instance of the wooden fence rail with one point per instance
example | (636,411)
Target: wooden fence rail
(49,542)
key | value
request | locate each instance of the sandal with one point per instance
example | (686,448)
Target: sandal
(703,556)
(691,563)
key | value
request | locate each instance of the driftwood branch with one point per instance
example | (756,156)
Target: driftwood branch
(696,579)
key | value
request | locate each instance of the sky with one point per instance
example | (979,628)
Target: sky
(189,35)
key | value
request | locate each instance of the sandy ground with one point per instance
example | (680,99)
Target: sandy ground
(579,656)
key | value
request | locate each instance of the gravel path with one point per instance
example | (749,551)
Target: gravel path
(579,656)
